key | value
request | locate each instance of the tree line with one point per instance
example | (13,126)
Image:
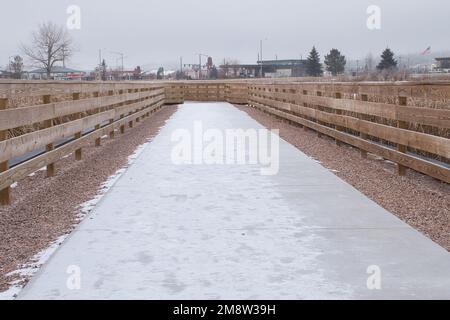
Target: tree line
(52,44)
(335,62)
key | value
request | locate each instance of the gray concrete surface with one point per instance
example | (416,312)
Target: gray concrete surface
(167,231)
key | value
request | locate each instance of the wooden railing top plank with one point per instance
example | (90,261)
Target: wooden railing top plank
(13,118)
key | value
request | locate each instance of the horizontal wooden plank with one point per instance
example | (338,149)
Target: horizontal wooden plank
(426,167)
(424,90)
(22,170)
(426,142)
(23,88)
(20,145)
(426,116)
(13,118)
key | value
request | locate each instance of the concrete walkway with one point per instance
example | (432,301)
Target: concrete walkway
(166,231)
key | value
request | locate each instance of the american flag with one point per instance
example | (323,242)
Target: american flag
(427,50)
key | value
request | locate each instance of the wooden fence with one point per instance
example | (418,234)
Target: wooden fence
(407,123)
(57,119)
(229,91)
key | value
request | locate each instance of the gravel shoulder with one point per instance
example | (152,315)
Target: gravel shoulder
(419,200)
(44,209)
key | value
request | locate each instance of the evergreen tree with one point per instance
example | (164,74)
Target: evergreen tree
(103,70)
(179,75)
(214,73)
(335,62)
(160,73)
(387,60)
(313,65)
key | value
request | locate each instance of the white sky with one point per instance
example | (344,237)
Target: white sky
(158,32)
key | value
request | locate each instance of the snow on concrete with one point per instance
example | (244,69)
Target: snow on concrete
(88,206)
(166,231)
(40,258)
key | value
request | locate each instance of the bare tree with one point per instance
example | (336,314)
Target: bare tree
(16,67)
(50,44)
(229,64)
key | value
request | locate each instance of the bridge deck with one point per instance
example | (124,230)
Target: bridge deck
(227,232)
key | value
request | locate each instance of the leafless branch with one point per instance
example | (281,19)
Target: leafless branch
(50,44)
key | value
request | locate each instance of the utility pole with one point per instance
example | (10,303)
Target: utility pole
(199,66)
(261,56)
(10,64)
(122,57)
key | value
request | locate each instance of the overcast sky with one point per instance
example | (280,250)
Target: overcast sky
(158,32)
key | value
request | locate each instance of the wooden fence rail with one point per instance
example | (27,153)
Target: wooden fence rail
(405,122)
(65,113)
(413,136)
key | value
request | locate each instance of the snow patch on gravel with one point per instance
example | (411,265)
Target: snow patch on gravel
(28,270)
(41,169)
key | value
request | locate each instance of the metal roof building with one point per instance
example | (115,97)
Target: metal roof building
(270,68)
(58,73)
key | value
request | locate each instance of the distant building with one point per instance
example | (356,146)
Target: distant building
(270,69)
(58,73)
(284,68)
(5,74)
(119,75)
(443,63)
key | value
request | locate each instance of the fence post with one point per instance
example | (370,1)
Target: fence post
(78,154)
(49,123)
(122,127)
(111,121)
(147,114)
(130,123)
(305,92)
(141,99)
(338,95)
(98,141)
(319,134)
(5,194)
(402,148)
(364,97)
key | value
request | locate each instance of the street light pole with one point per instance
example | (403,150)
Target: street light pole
(10,62)
(261,57)
(122,57)
(200,64)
